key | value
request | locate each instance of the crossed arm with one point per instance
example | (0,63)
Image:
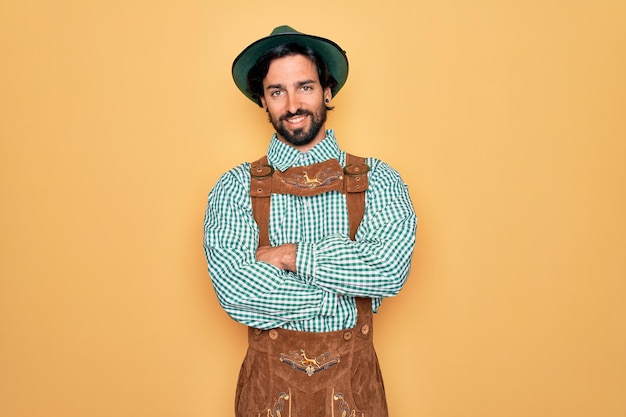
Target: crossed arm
(268,286)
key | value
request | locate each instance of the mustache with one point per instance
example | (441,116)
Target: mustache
(299,112)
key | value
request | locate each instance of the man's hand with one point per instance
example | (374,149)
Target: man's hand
(283,256)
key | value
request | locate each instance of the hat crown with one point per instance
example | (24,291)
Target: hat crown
(283,29)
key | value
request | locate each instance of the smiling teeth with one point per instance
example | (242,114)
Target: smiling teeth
(296,119)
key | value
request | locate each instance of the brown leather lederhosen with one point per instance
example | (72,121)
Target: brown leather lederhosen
(290,373)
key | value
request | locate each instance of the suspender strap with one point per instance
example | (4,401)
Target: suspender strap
(260,192)
(355,174)
(305,181)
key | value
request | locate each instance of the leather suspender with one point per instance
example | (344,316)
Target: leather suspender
(309,180)
(355,173)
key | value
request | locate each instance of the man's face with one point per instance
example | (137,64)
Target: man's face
(294,100)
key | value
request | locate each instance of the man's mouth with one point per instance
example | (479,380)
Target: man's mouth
(295,120)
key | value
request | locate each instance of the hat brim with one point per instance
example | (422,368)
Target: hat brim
(333,55)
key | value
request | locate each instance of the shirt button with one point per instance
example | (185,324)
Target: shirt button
(347,336)
(273,334)
(258,331)
(365,329)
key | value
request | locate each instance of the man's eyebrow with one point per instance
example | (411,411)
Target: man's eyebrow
(273,86)
(281,86)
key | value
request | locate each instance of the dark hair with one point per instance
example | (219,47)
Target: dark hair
(258,72)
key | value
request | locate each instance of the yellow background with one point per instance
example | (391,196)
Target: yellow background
(507,120)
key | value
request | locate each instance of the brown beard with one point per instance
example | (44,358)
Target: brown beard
(300,137)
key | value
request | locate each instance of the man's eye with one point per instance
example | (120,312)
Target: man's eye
(307,88)
(275,93)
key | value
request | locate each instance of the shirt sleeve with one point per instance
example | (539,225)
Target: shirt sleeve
(254,293)
(376,264)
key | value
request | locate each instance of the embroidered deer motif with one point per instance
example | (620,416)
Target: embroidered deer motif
(311,182)
(308,361)
(301,362)
(303,180)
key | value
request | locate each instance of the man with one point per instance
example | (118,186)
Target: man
(303,244)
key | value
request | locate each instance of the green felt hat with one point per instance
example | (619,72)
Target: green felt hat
(333,55)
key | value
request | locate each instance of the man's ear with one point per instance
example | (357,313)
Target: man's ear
(263,104)
(328,95)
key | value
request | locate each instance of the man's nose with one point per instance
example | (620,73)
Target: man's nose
(293,103)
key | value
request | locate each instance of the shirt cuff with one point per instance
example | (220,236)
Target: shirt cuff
(305,262)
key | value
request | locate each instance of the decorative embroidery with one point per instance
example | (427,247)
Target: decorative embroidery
(324,177)
(277,411)
(344,407)
(300,362)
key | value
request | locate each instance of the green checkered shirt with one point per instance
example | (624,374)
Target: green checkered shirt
(332,269)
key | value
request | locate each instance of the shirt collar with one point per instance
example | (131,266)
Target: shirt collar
(282,156)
